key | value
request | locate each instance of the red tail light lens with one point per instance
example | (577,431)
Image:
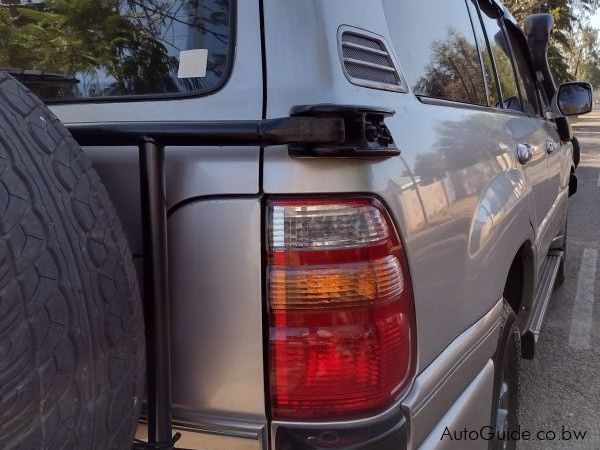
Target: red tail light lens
(342,331)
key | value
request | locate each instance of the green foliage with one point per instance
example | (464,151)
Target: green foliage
(505,72)
(454,72)
(571,54)
(79,36)
(585,54)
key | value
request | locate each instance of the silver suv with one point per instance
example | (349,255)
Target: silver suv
(347,217)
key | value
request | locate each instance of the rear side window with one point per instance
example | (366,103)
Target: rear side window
(524,74)
(500,50)
(437,49)
(115,48)
(488,63)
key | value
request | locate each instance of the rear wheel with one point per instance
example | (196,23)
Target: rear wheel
(71,327)
(505,401)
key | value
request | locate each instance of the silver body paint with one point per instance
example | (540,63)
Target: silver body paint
(461,231)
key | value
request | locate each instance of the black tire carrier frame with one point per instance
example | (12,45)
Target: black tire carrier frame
(321,130)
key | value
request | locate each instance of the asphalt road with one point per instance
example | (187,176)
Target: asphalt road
(560,388)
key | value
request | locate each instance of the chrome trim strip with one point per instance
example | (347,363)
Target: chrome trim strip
(359,62)
(557,242)
(364,48)
(194,439)
(220,426)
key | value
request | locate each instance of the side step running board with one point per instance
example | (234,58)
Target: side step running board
(545,287)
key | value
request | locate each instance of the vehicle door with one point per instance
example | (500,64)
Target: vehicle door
(531,135)
(553,195)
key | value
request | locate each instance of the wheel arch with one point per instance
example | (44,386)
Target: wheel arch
(519,286)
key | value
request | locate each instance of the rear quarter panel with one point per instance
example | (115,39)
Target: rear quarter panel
(458,196)
(214,239)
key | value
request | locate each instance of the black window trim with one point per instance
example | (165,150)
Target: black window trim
(511,57)
(492,58)
(479,50)
(502,20)
(513,61)
(169,95)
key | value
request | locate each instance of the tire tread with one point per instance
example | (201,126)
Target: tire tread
(71,351)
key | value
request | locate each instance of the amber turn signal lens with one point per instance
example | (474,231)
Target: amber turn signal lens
(342,331)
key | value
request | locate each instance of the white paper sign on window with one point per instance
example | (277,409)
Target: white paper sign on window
(192,63)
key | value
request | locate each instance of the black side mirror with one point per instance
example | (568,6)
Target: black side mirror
(574,98)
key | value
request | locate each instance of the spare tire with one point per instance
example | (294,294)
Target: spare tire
(72,348)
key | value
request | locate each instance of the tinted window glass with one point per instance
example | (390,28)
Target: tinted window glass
(524,75)
(504,68)
(436,47)
(488,66)
(115,47)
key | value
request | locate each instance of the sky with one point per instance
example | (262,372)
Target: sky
(596,20)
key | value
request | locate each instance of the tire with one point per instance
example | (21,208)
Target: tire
(72,351)
(505,400)
(576,151)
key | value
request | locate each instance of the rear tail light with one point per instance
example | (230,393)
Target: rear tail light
(342,331)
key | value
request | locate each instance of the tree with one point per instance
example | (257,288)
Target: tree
(584,55)
(114,47)
(565,56)
(454,72)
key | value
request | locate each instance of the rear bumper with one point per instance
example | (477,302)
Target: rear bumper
(388,431)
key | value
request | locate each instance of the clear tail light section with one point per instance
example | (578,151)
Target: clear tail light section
(342,327)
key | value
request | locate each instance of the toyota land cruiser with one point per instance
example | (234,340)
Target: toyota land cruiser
(347,219)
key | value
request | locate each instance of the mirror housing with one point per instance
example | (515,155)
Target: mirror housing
(574,98)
